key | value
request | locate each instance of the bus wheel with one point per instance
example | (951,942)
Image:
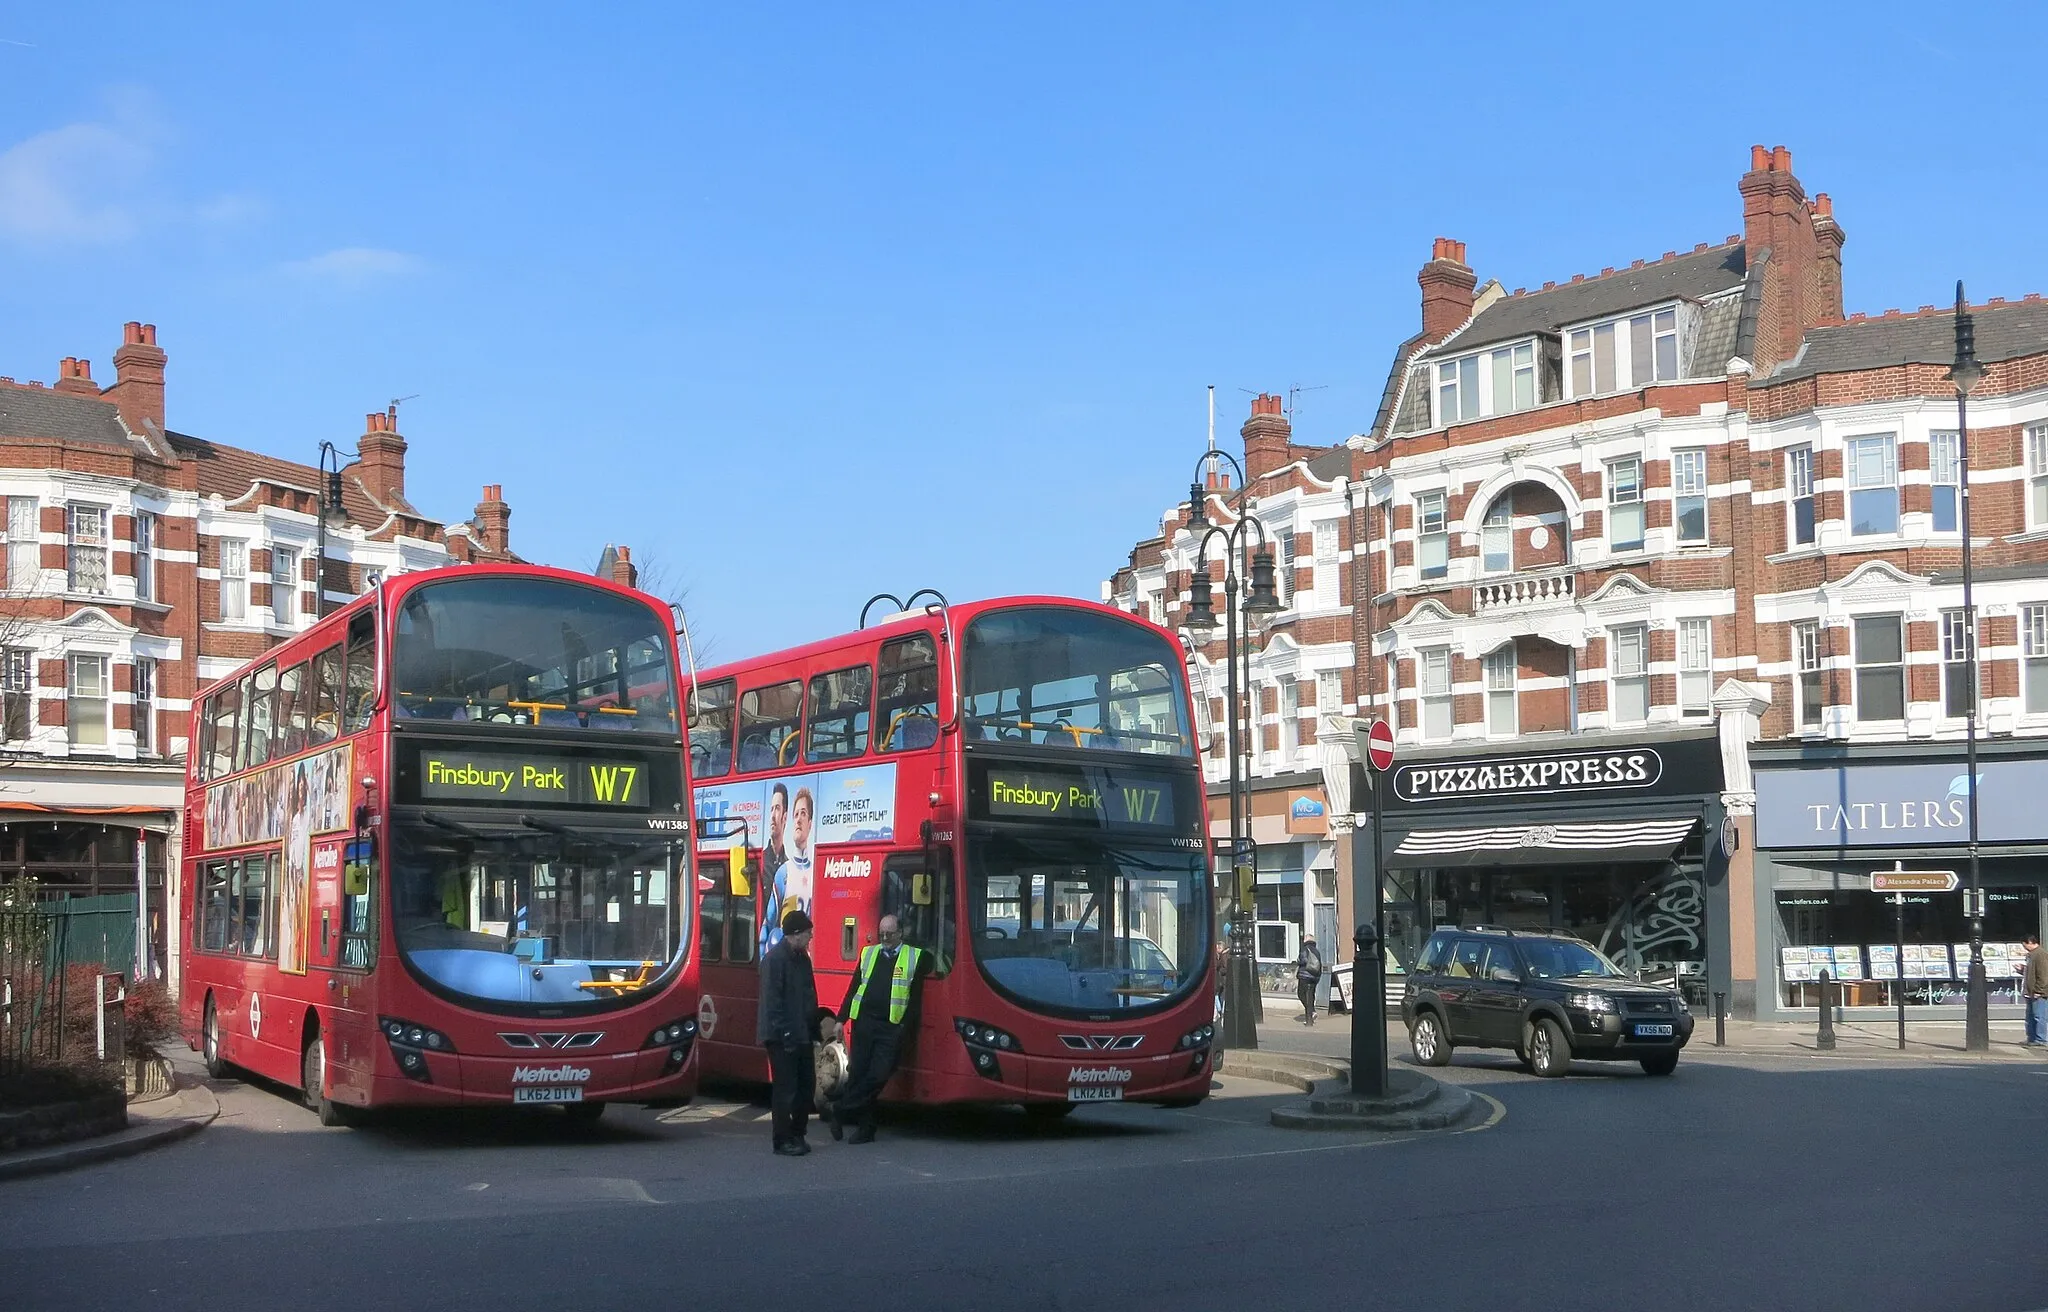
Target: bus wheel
(1048,1111)
(583,1113)
(313,1080)
(216,1065)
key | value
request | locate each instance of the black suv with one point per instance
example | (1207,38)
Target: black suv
(1549,996)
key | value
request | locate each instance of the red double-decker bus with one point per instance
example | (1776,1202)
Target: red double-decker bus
(436,851)
(1017,782)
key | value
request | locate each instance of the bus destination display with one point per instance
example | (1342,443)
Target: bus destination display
(1103,797)
(508,777)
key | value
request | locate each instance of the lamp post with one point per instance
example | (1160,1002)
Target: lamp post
(1240,984)
(1965,374)
(330,501)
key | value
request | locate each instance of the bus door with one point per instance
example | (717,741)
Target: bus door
(728,952)
(343,943)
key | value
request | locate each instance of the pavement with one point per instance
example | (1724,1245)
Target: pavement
(1931,1040)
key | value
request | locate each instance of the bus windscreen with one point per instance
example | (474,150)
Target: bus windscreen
(1052,677)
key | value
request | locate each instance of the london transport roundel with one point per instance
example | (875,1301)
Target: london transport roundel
(1379,745)
(707,1017)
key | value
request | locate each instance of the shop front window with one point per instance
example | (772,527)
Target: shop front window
(1855,935)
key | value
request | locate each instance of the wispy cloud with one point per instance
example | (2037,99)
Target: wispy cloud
(78,183)
(352,266)
(231,209)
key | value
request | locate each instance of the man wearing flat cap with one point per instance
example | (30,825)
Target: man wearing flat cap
(788,1025)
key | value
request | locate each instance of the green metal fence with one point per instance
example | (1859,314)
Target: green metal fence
(32,984)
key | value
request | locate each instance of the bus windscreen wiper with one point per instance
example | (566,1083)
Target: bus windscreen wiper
(454,827)
(594,839)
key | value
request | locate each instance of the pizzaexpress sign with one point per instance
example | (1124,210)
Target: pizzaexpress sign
(1624,769)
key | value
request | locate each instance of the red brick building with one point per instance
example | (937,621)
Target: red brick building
(141,562)
(1688,503)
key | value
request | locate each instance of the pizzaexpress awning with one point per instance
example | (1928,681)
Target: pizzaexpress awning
(1589,843)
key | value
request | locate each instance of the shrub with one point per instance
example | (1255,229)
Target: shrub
(152,1018)
(39,1086)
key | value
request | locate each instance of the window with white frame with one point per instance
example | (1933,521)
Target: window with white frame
(2034,657)
(1290,717)
(1872,466)
(1432,534)
(1696,667)
(1457,391)
(145,706)
(1799,494)
(85,700)
(284,588)
(1323,575)
(1625,504)
(234,579)
(1945,476)
(1629,662)
(1434,679)
(1329,692)
(145,555)
(1653,348)
(1955,664)
(17,694)
(24,548)
(85,549)
(1497,537)
(1592,360)
(1283,566)
(1689,493)
(1500,692)
(2037,477)
(1879,648)
(1807,673)
(1514,378)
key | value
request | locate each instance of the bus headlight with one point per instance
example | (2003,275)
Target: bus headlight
(410,1043)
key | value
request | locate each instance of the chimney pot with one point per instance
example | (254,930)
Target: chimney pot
(1700,247)
(1759,159)
(1578,277)
(131,334)
(1925,309)
(1607,272)
(1781,160)
(149,334)
(1548,286)
(1670,255)
(1996,300)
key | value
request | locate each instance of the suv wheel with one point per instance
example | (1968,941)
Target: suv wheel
(1662,1064)
(1550,1052)
(1432,1046)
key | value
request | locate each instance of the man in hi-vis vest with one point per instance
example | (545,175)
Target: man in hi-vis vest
(881,1004)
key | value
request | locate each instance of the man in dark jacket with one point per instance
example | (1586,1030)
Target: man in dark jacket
(881,1001)
(1308,968)
(787,1027)
(2034,990)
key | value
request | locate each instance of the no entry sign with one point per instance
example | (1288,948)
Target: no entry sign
(1379,746)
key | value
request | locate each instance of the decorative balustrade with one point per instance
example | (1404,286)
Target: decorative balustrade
(1523,592)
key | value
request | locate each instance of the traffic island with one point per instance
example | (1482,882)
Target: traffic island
(1413,1101)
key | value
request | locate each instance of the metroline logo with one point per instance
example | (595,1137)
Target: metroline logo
(1098,1075)
(550,1074)
(848,867)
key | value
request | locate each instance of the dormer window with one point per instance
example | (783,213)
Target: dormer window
(1496,382)
(1642,348)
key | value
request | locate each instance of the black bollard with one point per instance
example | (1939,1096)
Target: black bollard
(1368,1015)
(1720,1021)
(1825,1041)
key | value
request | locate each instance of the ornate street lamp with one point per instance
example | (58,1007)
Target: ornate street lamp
(1240,980)
(1966,373)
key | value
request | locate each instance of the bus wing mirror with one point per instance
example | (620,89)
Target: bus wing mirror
(355,879)
(736,863)
(921,889)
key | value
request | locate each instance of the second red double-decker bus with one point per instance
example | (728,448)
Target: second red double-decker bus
(1017,782)
(436,851)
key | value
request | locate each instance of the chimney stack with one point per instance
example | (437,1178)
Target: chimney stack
(1828,239)
(1776,217)
(74,376)
(381,458)
(624,573)
(138,390)
(1446,290)
(494,520)
(1267,437)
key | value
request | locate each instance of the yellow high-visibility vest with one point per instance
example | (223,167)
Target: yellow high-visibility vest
(899,982)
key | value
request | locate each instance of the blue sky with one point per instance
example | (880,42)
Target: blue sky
(810,302)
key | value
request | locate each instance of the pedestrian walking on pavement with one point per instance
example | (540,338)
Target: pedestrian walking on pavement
(1308,969)
(787,1026)
(881,1005)
(2034,985)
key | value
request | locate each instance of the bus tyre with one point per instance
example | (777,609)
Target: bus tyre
(209,1043)
(1048,1111)
(313,1083)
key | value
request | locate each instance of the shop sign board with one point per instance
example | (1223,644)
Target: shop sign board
(1668,768)
(1853,805)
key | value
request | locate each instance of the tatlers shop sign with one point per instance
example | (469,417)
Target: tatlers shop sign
(1638,769)
(1890,805)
